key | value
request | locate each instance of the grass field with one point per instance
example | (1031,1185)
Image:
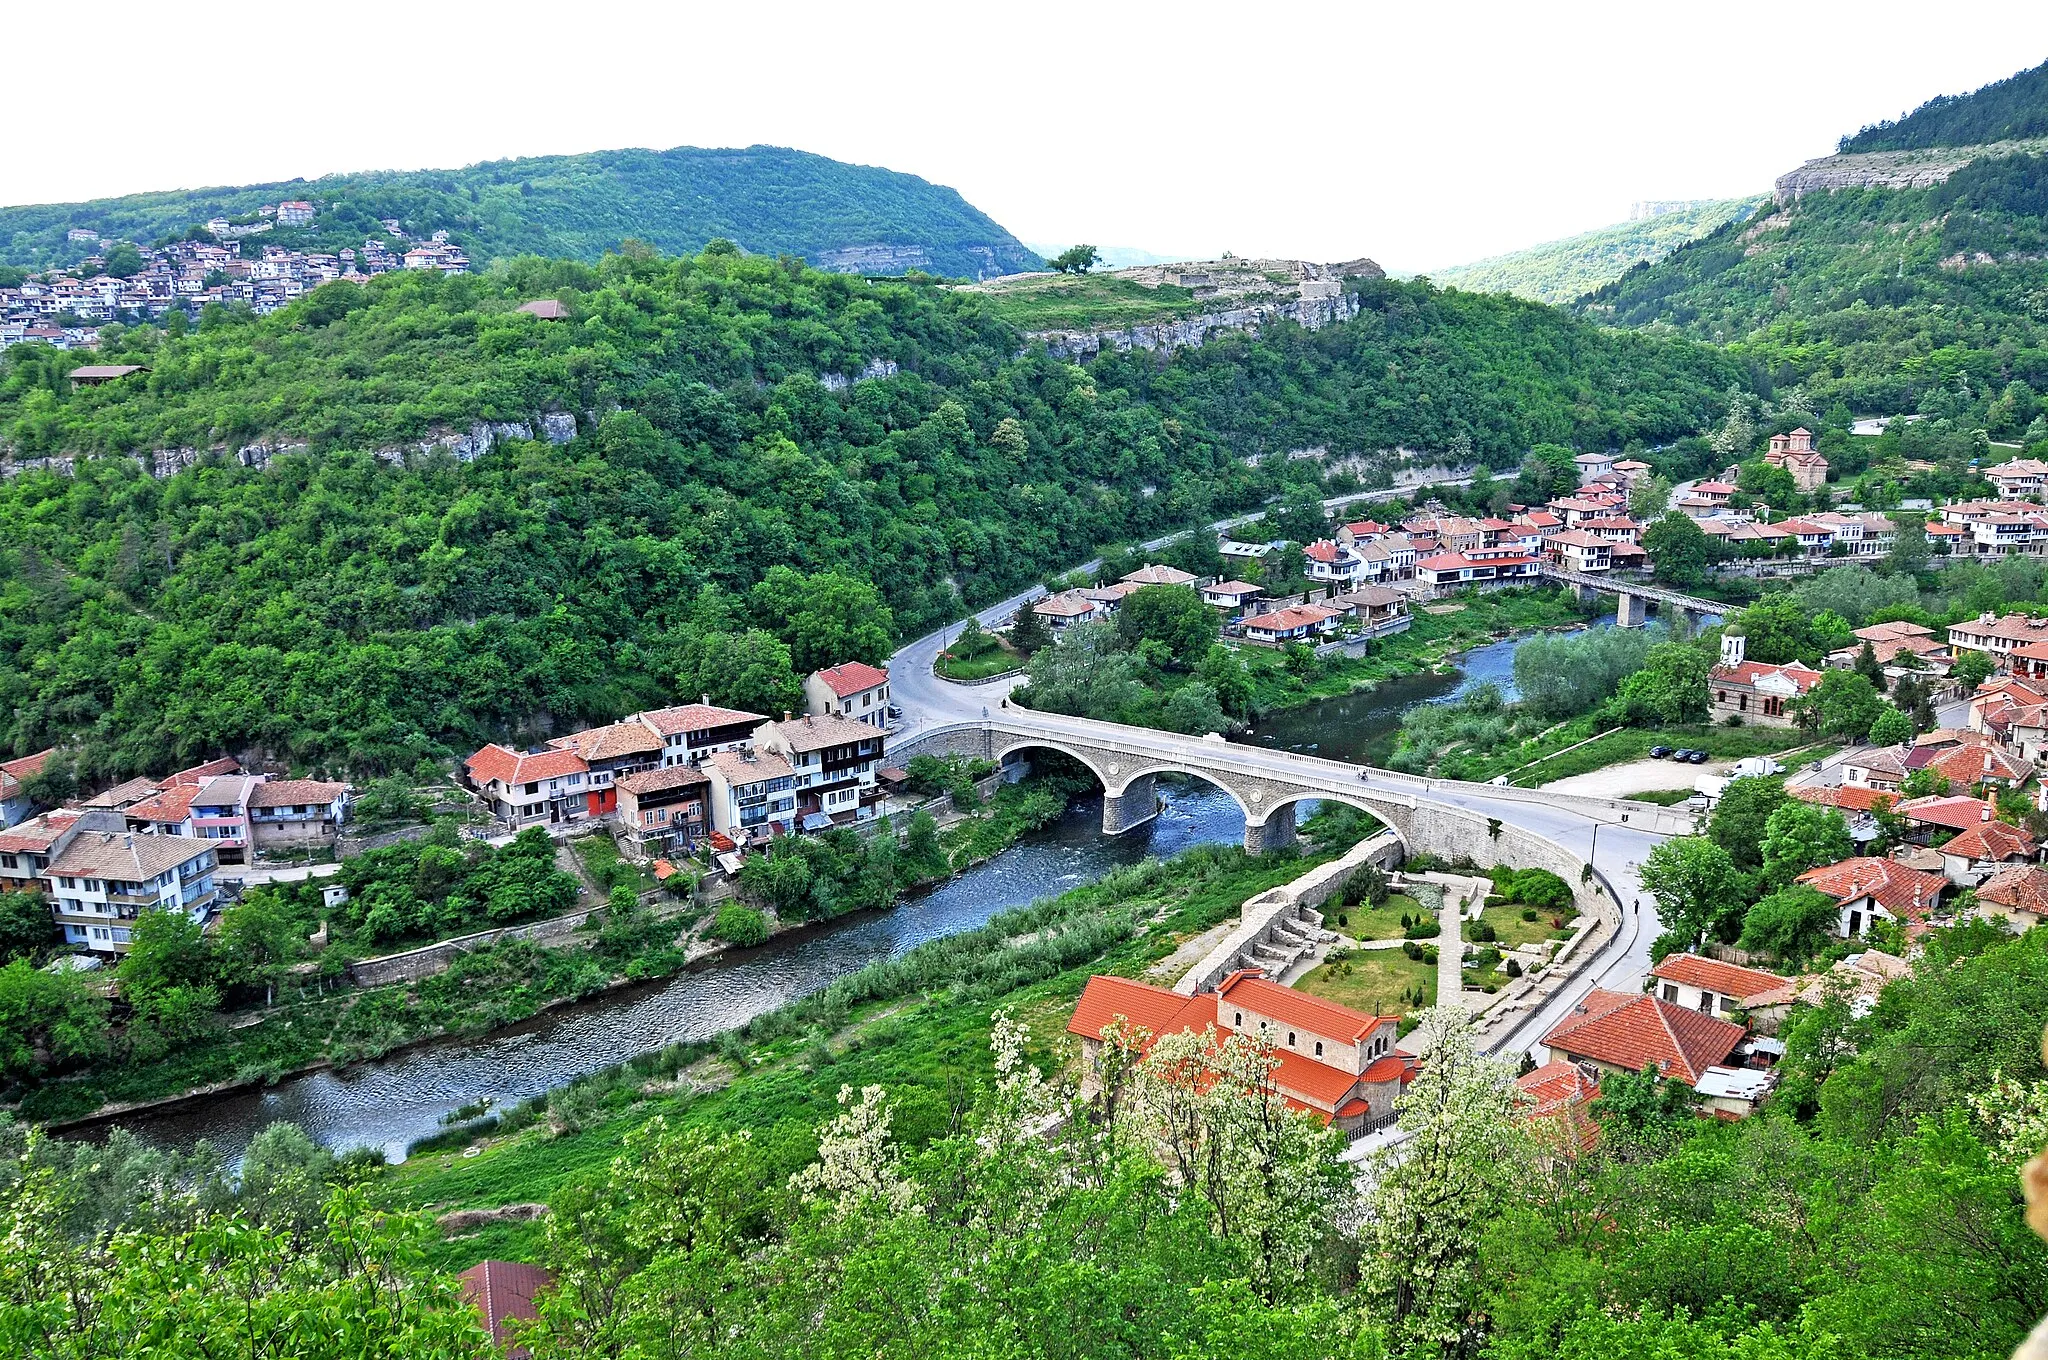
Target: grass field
(1376,981)
(1530,764)
(1373,923)
(1512,932)
(1086,301)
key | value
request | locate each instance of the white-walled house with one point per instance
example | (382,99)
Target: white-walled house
(833,764)
(104,878)
(852,689)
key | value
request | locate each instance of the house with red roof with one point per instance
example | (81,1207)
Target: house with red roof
(1867,890)
(1938,816)
(503,1294)
(1984,850)
(691,732)
(1710,986)
(26,848)
(1338,1065)
(852,689)
(1755,691)
(610,753)
(1580,551)
(2017,895)
(1561,1092)
(1447,572)
(1234,598)
(15,804)
(1624,1032)
(530,788)
(1295,623)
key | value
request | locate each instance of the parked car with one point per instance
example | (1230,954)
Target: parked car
(1659,752)
(1696,757)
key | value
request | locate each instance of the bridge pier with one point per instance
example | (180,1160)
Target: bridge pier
(1683,623)
(1633,610)
(1275,833)
(1586,594)
(1135,806)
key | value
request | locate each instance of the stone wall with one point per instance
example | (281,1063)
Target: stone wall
(413,964)
(1274,927)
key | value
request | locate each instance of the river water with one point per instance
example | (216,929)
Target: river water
(393,1103)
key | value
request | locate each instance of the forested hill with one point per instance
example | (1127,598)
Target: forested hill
(731,511)
(2006,110)
(1567,269)
(771,200)
(1886,298)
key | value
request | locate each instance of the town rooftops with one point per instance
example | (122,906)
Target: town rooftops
(121,795)
(1848,797)
(1906,893)
(610,742)
(1801,677)
(1975,763)
(1898,630)
(851,678)
(127,857)
(813,733)
(1633,1032)
(1153,1009)
(1252,989)
(170,807)
(502,1291)
(656,781)
(1726,979)
(503,765)
(697,718)
(547,309)
(740,769)
(2012,628)
(205,770)
(1577,538)
(1991,841)
(1294,616)
(1322,550)
(1956,810)
(1065,605)
(1159,574)
(23,768)
(1370,596)
(2023,887)
(272,793)
(1239,589)
(36,835)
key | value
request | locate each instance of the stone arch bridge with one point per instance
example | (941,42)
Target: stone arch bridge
(1633,599)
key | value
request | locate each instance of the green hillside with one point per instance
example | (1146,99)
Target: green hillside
(722,515)
(771,200)
(1559,271)
(2006,110)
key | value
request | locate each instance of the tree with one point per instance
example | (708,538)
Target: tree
(47,1019)
(1649,498)
(1843,704)
(1643,1111)
(258,941)
(1223,671)
(1172,615)
(1698,891)
(1075,260)
(166,949)
(1678,549)
(752,670)
(1776,629)
(1867,665)
(826,618)
(1670,688)
(1432,1199)
(921,844)
(1909,553)
(1550,468)
(740,925)
(1792,923)
(1193,709)
(1741,817)
(1300,515)
(1892,728)
(1972,668)
(1029,632)
(1801,836)
(26,927)
(123,261)
(1923,783)
(1088,675)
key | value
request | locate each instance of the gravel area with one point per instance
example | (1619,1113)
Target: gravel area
(1637,776)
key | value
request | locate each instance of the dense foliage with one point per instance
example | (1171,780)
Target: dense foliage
(769,199)
(1887,299)
(1559,271)
(2003,110)
(336,607)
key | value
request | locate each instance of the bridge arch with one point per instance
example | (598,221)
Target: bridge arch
(1208,777)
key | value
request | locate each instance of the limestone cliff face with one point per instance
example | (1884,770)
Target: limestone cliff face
(1892,169)
(1239,295)
(873,258)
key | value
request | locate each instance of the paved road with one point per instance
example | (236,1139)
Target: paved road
(928,701)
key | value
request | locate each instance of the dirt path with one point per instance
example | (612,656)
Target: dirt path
(1637,776)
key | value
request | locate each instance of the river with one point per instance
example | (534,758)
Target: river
(393,1103)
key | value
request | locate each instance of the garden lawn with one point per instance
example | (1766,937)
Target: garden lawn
(1373,923)
(1511,931)
(1376,981)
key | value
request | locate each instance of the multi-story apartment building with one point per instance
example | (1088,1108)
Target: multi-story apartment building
(663,810)
(220,814)
(26,848)
(105,876)
(531,788)
(691,732)
(753,795)
(15,804)
(853,690)
(612,752)
(833,764)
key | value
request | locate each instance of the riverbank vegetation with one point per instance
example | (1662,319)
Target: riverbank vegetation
(254,1000)
(915,1142)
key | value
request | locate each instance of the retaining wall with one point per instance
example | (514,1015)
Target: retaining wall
(413,964)
(1272,909)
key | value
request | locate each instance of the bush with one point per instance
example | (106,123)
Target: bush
(740,925)
(1484,933)
(1528,913)
(1514,969)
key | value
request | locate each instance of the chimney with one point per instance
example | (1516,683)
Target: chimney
(1732,647)
(785,715)
(707,701)
(1985,816)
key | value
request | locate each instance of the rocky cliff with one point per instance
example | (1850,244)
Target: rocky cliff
(1236,295)
(1893,169)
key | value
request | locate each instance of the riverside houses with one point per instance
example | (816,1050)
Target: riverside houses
(753,795)
(853,690)
(833,764)
(104,876)
(663,810)
(530,788)
(292,812)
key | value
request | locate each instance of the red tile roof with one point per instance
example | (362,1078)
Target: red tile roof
(1294,616)
(654,781)
(1802,677)
(1992,841)
(2023,887)
(1155,1009)
(1632,1032)
(502,1290)
(37,834)
(198,774)
(1256,992)
(1953,810)
(1693,970)
(1322,550)
(171,806)
(295,792)
(1848,797)
(697,718)
(1966,765)
(851,678)
(611,741)
(1908,894)
(507,766)
(25,767)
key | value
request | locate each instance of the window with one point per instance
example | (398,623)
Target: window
(1237,1019)
(1319,1048)
(1290,1038)
(1670,992)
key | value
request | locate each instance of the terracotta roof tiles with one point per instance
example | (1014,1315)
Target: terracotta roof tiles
(1633,1032)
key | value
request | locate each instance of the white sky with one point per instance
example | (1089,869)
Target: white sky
(1418,134)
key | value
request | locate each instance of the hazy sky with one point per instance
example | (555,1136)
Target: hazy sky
(1418,134)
